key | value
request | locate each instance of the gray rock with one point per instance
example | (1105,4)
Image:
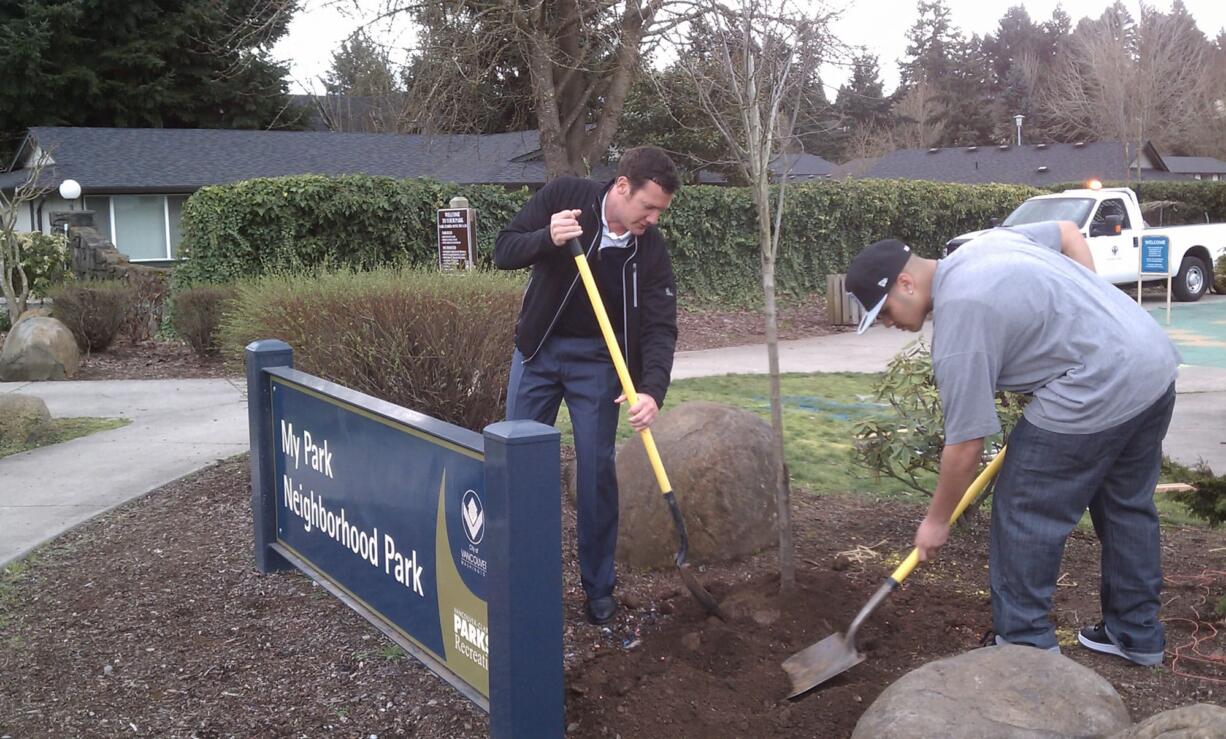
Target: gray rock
(1001,692)
(22,417)
(1198,721)
(722,467)
(39,348)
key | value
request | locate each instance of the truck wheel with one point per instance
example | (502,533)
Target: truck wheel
(1192,281)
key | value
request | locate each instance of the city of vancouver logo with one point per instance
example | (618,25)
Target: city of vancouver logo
(473,514)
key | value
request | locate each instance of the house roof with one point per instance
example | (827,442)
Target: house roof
(118,160)
(1195,165)
(801,166)
(1030,164)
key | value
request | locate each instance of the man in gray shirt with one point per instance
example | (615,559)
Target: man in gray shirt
(1021,309)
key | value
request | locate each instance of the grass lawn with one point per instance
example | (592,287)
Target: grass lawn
(820,412)
(64,429)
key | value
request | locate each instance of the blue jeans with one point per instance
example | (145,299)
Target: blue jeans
(1045,485)
(579,371)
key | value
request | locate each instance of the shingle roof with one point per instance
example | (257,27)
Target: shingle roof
(1030,164)
(113,160)
(801,166)
(1195,165)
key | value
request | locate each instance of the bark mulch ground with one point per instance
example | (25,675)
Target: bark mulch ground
(151,621)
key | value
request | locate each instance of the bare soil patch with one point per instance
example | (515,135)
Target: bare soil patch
(152,621)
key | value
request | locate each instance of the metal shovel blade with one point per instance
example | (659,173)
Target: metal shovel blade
(819,662)
(704,598)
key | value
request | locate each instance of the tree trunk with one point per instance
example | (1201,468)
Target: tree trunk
(783,503)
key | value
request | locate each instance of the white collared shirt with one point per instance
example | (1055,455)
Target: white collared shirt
(607,237)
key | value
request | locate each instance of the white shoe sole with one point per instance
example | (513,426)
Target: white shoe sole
(1146,659)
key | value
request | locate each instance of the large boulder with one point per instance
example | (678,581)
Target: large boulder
(722,467)
(22,418)
(1198,721)
(39,348)
(1003,692)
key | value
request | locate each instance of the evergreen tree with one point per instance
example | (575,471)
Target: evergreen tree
(360,67)
(154,63)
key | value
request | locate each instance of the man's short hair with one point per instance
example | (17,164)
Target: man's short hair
(643,163)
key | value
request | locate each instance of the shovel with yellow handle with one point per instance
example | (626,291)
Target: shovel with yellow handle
(837,653)
(619,363)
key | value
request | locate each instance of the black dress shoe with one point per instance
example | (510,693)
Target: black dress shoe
(601,610)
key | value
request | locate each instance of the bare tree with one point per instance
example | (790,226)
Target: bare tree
(1131,83)
(13,280)
(751,87)
(581,58)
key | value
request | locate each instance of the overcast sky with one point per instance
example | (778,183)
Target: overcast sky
(878,25)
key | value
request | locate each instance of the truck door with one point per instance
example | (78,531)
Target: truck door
(1115,255)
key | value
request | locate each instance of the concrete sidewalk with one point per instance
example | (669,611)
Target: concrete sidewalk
(178,427)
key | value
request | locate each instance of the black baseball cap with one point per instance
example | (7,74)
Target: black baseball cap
(872,274)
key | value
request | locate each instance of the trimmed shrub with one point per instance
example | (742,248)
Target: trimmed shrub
(438,344)
(1219,276)
(309,222)
(304,223)
(93,311)
(197,316)
(148,303)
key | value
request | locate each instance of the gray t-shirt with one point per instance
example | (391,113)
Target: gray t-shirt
(1010,312)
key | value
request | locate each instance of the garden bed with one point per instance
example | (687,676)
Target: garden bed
(152,621)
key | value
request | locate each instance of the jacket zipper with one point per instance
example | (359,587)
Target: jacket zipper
(626,303)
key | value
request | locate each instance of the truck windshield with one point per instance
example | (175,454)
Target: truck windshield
(1051,209)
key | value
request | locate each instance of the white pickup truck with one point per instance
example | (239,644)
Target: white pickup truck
(1111,220)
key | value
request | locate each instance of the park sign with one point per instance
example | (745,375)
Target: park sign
(409,521)
(457,238)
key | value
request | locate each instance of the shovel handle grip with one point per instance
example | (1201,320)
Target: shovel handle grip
(619,362)
(968,497)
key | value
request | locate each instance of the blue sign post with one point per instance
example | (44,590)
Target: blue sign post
(410,521)
(1156,262)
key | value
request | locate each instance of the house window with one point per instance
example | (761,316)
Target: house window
(102,214)
(142,227)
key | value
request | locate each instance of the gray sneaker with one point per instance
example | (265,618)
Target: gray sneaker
(1098,639)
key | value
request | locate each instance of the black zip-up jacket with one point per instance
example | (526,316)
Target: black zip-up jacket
(648,286)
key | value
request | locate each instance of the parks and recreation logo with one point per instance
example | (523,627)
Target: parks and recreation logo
(472,518)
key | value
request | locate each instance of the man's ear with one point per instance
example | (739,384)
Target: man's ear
(905,282)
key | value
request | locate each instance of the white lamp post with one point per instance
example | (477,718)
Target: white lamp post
(70,190)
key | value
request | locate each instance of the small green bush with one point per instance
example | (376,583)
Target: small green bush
(1219,276)
(1208,500)
(93,311)
(912,443)
(46,260)
(197,316)
(438,344)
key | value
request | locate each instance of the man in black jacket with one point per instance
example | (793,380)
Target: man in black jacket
(559,351)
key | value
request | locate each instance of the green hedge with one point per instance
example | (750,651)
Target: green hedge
(713,234)
(308,222)
(292,224)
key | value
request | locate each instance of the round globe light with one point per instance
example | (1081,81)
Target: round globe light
(70,189)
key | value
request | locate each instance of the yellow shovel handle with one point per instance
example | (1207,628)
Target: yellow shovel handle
(972,492)
(619,362)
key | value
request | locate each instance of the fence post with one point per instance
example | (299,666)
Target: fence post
(524,514)
(260,356)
